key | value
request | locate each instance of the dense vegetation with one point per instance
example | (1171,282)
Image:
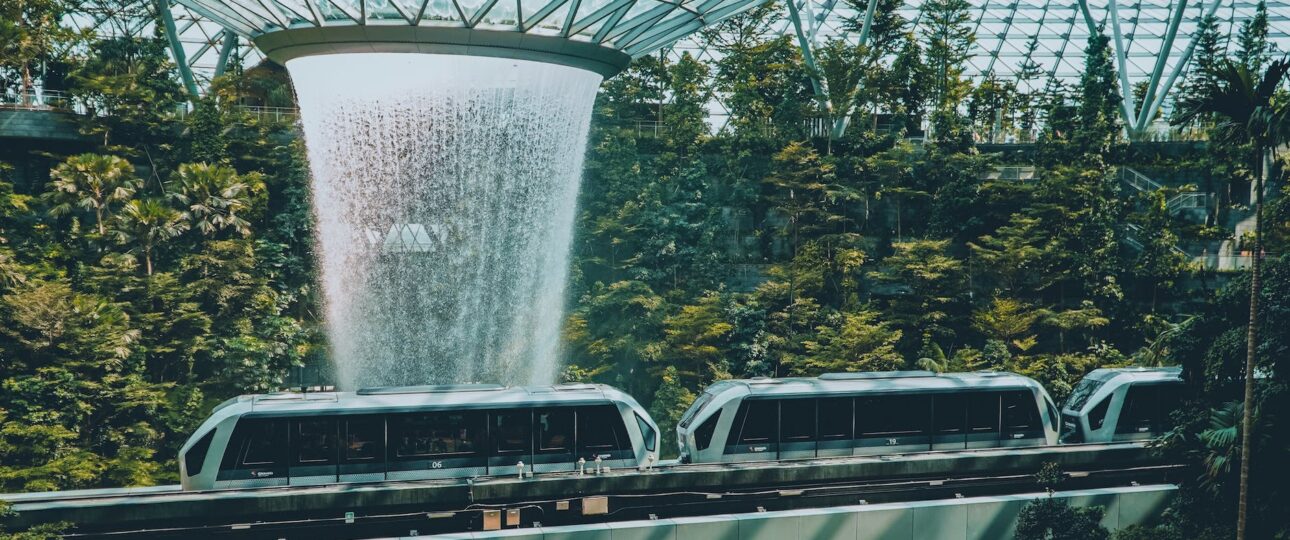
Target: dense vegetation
(166,265)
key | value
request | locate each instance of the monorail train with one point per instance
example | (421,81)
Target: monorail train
(844,414)
(1121,404)
(408,433)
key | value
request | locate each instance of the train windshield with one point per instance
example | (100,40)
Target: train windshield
(1084,390)
(694,409)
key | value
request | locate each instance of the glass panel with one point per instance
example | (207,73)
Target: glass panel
(457,433)
(951,413)
(554,430)
(797,420)
(437,10)
(694,409)
(650,436)
(554,22)
(195,459)
(1084,390)
(886,416)
(364,439)
(1139,410)
(601,429)
(264,443)
(471,7)
(511,431)
(982,412)
(835,418)
(502,13)
(314,441)
(761,422)
(1097,416)
(384,10)
(1170,400)
(1019,412)
(703,434)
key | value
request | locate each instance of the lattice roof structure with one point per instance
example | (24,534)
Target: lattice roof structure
(1151,38)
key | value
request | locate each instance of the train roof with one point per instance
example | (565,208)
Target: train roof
(846,383)
(1138,374)
(393,399)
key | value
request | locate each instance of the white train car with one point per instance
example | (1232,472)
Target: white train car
(410,433)
(844,414)
(1121,404)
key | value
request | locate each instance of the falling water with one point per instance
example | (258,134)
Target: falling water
(444,189)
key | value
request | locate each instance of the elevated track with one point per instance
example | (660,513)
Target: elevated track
(668,490)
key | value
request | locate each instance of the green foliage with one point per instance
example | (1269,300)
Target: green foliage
(669,403)
(129,306)
(1055,519)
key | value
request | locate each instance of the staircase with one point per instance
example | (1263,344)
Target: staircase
(1181,202)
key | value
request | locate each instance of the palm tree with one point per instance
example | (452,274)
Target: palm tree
(93,182)
(147,223)
(212,198)
(1240,103)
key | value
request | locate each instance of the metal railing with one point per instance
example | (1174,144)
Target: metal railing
(38,100)
(1181,201)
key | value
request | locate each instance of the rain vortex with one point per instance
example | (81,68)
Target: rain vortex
(444,189)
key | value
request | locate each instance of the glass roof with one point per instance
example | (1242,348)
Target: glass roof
(1008,32)
(635,27)
(1051,34)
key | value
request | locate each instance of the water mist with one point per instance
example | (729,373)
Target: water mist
(444,189)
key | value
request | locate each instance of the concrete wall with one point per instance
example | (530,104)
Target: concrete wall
(980,518)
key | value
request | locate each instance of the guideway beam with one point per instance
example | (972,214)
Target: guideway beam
(97,512)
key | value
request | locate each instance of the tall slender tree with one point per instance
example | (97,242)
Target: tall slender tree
(1241,101)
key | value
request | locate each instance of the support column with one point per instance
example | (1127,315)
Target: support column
(177,48)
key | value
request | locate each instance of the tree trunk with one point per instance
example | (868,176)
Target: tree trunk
(1251,344)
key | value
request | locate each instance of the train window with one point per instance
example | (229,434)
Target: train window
(1097,416)
(703,434)
(454,433)
(196,456)
(313,441)
(554,430)
(1170,400)
(1139,411)
(694,409)
(950,412)
(835,418)
(261,443)
(1082,392)
(885,416)
(797,420)
(982,412)
(650,436)
(510,430)
(1019,412)
(600,429)
(760,422)
(364,438)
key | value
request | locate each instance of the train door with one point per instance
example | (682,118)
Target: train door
(893,424)
(256,455)
(754,434)
(949,421)
(511,434)
(982,429)
(797,428)
(445,444)
(1022,425)
(602,434)
(362,448)
(835,426)
(553,430)
(313,451)
(1145,411)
